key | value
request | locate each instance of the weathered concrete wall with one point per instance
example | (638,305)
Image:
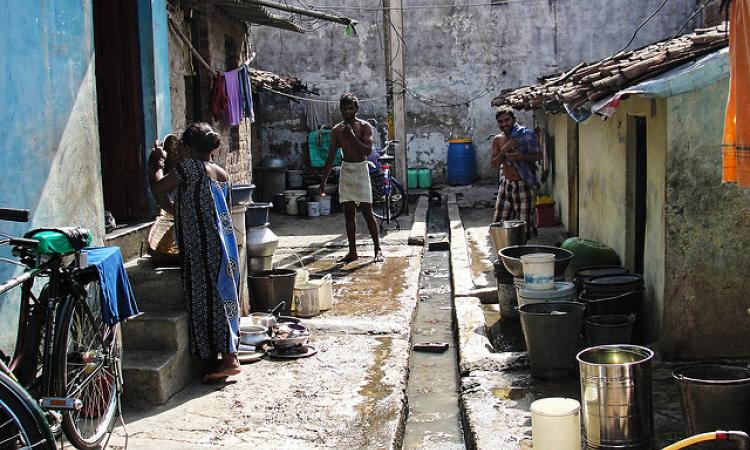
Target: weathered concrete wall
(458,55)
(219,29)
(49,144)
(603,192)
(602,159)
(557,127)
(706,282)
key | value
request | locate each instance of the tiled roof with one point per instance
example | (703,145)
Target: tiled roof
(592,82)
(279,83)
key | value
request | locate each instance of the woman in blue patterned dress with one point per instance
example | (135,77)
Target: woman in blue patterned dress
(205,237)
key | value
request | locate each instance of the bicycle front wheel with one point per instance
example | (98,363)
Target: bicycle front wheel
(397,199)
(22,423)
(88,368)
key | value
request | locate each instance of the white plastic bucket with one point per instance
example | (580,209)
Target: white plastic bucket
(306,303)
(562,291)
(303,275)
(325,295)
(325,204)
(556,424)
(290,200)
(539,270)
(313,209)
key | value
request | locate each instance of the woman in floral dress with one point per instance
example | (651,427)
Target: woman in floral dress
(205,237)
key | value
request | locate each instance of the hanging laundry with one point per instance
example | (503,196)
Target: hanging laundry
(234,101)
(218,97)
(736,142)
(246,93)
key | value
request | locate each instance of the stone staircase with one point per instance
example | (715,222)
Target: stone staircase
(156,359)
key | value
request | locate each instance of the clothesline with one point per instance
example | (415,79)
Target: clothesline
(319,100)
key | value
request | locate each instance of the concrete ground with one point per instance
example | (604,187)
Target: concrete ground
(496,386)
(350,395)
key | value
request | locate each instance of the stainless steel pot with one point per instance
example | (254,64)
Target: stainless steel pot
(507,233)
(263,319)
(253,335)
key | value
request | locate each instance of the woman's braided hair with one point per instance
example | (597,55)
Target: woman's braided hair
(201,137)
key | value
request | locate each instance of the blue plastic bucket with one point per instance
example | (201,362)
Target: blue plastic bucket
(462,163)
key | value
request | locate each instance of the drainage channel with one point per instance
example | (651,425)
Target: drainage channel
(434,419)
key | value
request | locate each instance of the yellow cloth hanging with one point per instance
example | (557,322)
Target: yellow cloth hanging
(736,142)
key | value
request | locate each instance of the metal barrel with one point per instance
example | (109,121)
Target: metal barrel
(616,397)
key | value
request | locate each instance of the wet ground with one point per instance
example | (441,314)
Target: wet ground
(497,403)
(351,394)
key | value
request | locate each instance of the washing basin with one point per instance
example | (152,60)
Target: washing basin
(511,257)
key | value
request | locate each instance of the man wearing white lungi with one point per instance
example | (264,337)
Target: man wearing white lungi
(354,136)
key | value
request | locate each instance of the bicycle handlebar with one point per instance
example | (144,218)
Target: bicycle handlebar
(14,215)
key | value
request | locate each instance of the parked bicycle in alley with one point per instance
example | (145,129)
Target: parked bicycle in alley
(64,374)
(389,200)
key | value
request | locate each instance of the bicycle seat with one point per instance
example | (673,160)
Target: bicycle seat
(60,241)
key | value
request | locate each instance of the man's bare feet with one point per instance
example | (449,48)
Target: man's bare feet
(378,256)
(350,257)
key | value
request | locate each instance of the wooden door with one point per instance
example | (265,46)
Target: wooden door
(118,87)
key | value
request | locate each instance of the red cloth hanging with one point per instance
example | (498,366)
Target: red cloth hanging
(219,101)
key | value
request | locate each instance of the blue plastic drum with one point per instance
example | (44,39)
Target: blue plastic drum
(462,162)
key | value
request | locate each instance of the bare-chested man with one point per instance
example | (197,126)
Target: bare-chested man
(354,136)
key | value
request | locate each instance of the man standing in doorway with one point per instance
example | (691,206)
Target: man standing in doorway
(354,136)
(517,150)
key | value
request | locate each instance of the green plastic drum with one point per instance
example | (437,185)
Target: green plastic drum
(412,178)
(424,178)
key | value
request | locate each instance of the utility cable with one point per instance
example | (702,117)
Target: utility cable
(635,33)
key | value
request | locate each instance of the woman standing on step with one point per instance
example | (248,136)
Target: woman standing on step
(205,237)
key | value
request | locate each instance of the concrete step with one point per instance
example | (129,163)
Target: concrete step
(152,377)
(155,288)
(157,330)
(131,240)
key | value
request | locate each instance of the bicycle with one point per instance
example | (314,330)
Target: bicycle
(65,355)
(389,200)
(22,423)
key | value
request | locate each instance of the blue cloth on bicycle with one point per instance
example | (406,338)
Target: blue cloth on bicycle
(118,301)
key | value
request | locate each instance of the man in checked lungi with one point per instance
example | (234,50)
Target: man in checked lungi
(516,149)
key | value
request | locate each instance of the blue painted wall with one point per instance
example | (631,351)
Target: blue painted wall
(154,47)
(49,147)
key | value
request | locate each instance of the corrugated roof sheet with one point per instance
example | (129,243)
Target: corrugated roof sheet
(587,83)
(254,13)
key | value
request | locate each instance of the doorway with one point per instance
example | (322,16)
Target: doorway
(120,110)
(636,198)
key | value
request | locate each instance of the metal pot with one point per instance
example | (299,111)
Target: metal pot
(253,335)
(290,341)
(263,319)
(261,241)
(271,162)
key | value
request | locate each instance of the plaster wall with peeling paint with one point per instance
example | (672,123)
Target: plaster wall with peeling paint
(457,59)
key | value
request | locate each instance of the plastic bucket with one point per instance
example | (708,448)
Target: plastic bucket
(290,199)
(279,203)
(561,291)
(325,295)
(271,287)
(294,179)
(714,397)
(302,205)
(462,163)
(313,209)
(539,270)
(325,204)
(424,178)
(609,329)
(302,276)
(551,332)
(306,302)
(616,396)
(556,424)
(412,178)
(257,214)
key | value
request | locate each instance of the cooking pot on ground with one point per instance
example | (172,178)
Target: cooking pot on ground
(253,335)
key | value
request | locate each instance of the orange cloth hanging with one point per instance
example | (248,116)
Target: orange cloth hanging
(736,142)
